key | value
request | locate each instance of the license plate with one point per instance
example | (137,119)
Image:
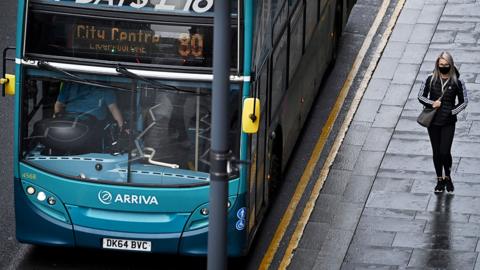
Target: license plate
(124,244)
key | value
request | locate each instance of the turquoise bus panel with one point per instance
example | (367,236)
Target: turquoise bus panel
(121,197)
(194,242)
(42,199)
(247,56)
(35,227)
(125,221)
(21,7)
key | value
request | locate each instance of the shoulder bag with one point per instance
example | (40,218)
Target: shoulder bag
(426,116)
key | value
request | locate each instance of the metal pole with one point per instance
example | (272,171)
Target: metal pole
(217,232)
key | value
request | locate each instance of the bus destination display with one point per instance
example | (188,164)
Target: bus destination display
(169,42)
(121,41)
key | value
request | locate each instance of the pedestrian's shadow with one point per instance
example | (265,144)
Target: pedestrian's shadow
(438,256)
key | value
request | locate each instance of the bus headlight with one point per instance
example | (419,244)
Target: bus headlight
(46,202)
(204,211)
(51,200)
(41,196)
(30,190)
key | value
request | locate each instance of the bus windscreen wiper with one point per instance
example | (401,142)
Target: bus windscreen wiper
(164,87)
(78,79)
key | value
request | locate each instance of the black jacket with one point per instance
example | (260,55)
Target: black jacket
(447,113)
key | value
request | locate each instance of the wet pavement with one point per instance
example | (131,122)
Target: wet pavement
(377,209)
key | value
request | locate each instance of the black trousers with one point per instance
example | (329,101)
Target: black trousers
(441,138)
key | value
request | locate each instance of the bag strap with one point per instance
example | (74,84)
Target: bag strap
(443,85)
(443,92)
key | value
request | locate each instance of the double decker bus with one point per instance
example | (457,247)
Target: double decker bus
(112,116)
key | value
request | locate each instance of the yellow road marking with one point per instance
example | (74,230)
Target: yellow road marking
(307,174)
(297,235)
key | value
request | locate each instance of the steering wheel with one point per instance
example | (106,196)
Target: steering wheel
(70,133)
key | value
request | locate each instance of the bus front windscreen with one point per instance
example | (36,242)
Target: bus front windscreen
(119,130)
(117,40)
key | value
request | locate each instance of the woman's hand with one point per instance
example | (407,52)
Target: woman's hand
(436,104)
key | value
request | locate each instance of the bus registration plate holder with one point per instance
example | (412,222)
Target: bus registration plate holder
(125,244)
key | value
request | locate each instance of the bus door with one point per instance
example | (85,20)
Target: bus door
(258,146)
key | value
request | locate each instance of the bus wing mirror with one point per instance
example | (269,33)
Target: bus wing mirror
(7,80)
(251,115)
(8,84)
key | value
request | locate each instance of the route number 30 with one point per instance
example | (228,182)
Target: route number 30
(190,45)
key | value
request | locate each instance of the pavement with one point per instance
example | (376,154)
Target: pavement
(377,209)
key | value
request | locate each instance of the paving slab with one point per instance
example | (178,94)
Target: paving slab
(367,110)
(397,94)
(368,163)
(389,213)
(378,139)
(314,235)
(303,259)
(344,215)
(358,188)
(399,200)
(376,89)
(387,68)
(461,204)
(347,157)
(435,241)
(393,185)
(469,165)
(409,16)
(387,116)
(373,238)
(453,228)
(466,38)
(444,37)
(441,259)
(422,33)
(336,182)
(430,14)
(402,32)
(378,255)
(405,73)
(357,133)
(388,224)
(440,215)
(414,53)
(367,266)
(394,49)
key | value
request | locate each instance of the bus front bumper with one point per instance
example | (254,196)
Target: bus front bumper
(33,226)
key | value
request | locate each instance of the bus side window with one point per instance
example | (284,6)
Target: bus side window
(296,40)
(279,71)
(311,19)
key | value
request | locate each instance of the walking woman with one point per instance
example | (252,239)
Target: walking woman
(443,90)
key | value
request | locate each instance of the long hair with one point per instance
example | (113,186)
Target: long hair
(452,73)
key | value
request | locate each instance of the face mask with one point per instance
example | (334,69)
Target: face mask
(444,70)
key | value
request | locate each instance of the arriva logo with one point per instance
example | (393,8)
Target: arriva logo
(106,197)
